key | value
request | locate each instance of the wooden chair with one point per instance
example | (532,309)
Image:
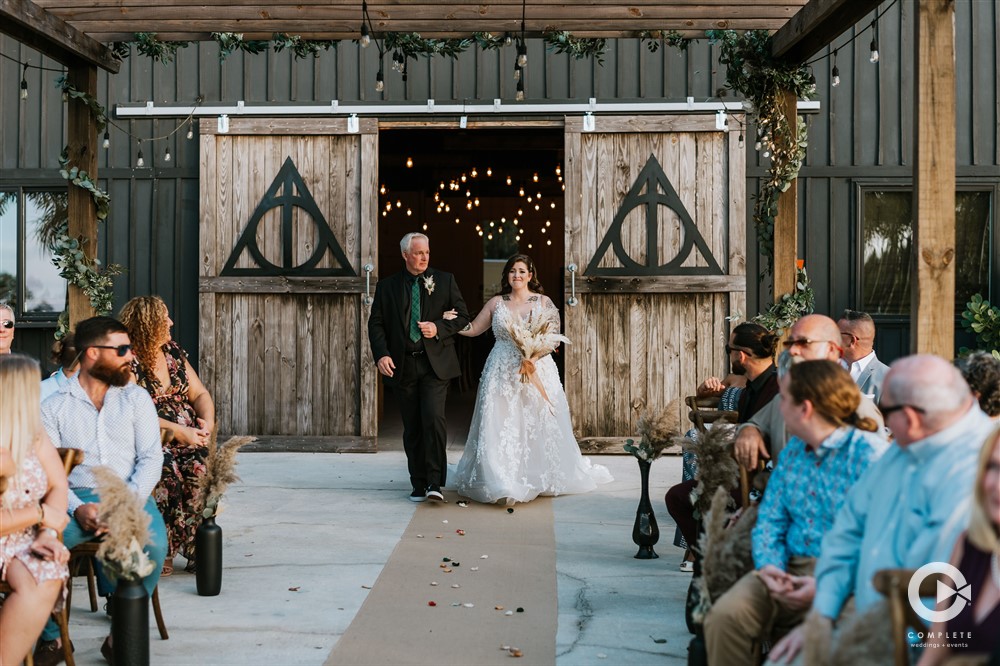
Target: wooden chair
(702,413)
(894,584)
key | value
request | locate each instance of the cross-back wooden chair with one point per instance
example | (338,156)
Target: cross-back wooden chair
(894,584)
(704,412)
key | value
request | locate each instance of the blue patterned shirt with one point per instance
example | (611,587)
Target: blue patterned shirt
(124,435)
(806,490)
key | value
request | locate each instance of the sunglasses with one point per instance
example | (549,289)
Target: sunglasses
(7,323)
(889,409)
(805,342)
(730,350)
(120,350)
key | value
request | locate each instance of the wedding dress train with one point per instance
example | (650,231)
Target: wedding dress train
(521,446)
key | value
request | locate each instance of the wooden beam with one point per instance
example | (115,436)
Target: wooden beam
(932,315)
(33,26)
(82,142)
(817,25)
(786,222)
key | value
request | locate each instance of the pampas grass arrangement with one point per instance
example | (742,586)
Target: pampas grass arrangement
(127,523)
(716,466)
(657,432)
(220,471)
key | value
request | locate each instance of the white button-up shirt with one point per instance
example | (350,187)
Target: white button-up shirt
(124,435)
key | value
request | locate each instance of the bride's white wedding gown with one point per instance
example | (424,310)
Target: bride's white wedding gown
(519,445)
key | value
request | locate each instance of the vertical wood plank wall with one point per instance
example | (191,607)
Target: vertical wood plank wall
(293,362)
(633,352)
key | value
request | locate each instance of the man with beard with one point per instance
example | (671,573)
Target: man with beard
(114,422)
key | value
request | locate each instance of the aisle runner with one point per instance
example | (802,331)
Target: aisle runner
(396,624)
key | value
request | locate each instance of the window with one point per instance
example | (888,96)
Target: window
(30,219)
(886,242)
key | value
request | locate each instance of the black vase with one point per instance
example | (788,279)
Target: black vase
(130,623)
(208,551)
(645,533)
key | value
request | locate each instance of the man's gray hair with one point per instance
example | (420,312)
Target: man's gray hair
(928,382)
(10,309)
(404,245)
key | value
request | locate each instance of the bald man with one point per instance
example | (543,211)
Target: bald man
(909,507)
(857,333)
(814,337)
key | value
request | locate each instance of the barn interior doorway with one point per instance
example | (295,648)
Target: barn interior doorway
(480,195)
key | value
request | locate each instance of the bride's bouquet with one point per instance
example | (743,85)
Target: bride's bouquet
(534,338)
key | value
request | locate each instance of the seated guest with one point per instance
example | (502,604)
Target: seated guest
(751,352)
(976,555)
(63,355)
(6,328)
(857,334)
(981,371)
(812,338)
(185,407)
(829,450)
(909,508)
(114,422)
(32,512)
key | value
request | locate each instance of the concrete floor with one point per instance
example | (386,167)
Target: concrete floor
(307,534)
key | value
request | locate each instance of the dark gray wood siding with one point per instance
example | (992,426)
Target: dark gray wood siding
(863,133)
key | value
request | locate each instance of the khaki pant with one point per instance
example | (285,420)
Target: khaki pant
(746,615)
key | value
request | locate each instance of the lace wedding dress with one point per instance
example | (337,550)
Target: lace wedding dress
(519,445)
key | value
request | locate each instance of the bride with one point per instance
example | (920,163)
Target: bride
(520,445)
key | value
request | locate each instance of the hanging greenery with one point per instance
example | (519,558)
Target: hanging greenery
(487,41)
(300,48)
(148,45)
(576,47)
(653,38)
(790,307)
(97,112)
(763,80)
(411,45)
(80,178)
(230,42)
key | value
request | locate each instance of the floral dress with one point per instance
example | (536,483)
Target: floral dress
(27,489)
(177,492)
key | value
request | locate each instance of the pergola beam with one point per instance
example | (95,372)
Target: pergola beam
(46,33)
(816,25)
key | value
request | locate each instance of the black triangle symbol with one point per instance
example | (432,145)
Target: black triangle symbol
(653,180)
(288,191)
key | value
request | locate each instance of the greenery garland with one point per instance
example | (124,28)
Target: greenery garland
(576,47)
(763,80)
(790,307)
(411,45)
(97,112)
(300,48)
(653,38)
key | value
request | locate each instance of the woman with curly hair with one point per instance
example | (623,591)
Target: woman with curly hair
(981,371)
(184,407)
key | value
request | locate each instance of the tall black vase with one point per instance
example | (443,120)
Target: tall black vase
(208,553)
(645,533)
(130,623)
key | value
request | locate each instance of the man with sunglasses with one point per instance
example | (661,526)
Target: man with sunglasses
(814,337)
(909,507)
(102,412)
(857,336)
(6,328)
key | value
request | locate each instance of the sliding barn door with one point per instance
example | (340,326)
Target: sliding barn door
(655,227)
(287,227)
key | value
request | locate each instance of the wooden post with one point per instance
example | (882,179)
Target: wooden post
(932,316)
(82,140)
(786,223)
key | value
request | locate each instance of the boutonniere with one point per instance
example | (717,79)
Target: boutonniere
(429,284)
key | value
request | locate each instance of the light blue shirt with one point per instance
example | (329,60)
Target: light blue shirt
(805,491)
(52,384)
(124,435)
(907,510)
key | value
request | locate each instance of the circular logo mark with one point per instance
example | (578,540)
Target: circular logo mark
(960,594)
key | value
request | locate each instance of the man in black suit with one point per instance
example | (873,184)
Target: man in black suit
(414,349)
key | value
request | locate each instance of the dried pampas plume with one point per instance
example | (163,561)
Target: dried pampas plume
(220,471)
(727,550)
(127,527)
(864,639)
(716,465)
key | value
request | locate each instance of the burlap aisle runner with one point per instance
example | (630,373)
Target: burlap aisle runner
(397,624)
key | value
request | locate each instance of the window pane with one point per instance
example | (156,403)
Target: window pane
(886,237)
(44,216)
(8,248)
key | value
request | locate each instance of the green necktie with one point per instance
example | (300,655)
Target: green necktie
(414,310)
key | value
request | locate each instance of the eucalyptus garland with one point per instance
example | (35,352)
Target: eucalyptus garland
(790,307)
(653,38)
(148,45)
(80,178)
(230,42)
(576,47)
(300,48)
(487,41)
(97,111)
(411,45)
(763,80)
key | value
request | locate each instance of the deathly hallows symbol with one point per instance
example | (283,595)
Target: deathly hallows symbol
(653,189)
(288,191)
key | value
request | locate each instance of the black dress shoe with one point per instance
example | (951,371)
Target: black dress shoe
(418,495)
(434,493)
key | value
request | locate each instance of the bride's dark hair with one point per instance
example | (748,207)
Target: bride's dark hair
(533,284)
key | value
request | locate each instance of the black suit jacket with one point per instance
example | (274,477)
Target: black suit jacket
(389,322)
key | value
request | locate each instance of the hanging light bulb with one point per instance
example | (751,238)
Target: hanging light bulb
(538,196)
(463,178)
(190,134)
(24,89)
(409,162)
(365,37)
(409,212)
(740,144)
(558,170)
(535,177)
(468,205)
(476,201)
(384,213)
(529,199)
(474,173)
(548,242)
(107,139)
(381,190)
(548,223)
(517,73)
(139,161)
(520,192)
(522,53)
(166,155)
(552,205)
(520,211)
(507,39)
(489,171)
(536,207)
(425,226)
(874,44)
(835,80)
(399,203)
(379,80)
(468,193)
(508,180)
(519,96)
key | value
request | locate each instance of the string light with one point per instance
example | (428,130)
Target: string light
(558,170)
(522,53)
(365,37)
(519,95)
(166,155)
(382,189)
(379,80)
(489,171)
(24,83)
(874,44)
(508,180)
(409,162)
(835,73)
(474,173)
(139,161)
(190,134)
(507,39)
(107,139)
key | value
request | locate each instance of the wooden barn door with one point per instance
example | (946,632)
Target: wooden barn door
(287,227)
(655,226)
